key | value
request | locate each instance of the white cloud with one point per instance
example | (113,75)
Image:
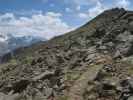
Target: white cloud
(98,6)
(94,11)
(68,10)
(44,1)
(52,5)
(27,12)
(85,2)
(123,3)
(78,8)
(83,15)
(3,38)
(44,25)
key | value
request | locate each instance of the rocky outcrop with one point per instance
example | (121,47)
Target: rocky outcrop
(93,62)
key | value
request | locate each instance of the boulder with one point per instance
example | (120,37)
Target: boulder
(20,86)
(130,98)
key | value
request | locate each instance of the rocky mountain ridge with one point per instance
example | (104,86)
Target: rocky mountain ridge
(94,62)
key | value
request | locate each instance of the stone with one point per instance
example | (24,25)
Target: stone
(90,56)
(39,60)
(78,89)
(110,44)
(127,90)
(91,97)
(33,62)
(117,55)
(119,89)
(130,81)
(44,75)
(10,96)
(19,86)
(109,68)
(76,64)
(130,98)
(48,92)
(108,85)
(102,47)
(128,59)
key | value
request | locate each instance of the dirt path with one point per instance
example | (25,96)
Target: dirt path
(77,90)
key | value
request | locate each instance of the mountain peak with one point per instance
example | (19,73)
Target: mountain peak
(94,62)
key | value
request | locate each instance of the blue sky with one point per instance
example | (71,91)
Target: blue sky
(48,18)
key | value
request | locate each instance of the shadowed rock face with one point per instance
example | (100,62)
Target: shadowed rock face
(94,62)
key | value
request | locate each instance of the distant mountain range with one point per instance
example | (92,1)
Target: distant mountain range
(9,42)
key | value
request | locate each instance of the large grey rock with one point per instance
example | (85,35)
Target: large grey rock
(44,75)
(130,98)
(128,59)
(10,97)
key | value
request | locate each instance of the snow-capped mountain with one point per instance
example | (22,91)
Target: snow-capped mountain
(9,42)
